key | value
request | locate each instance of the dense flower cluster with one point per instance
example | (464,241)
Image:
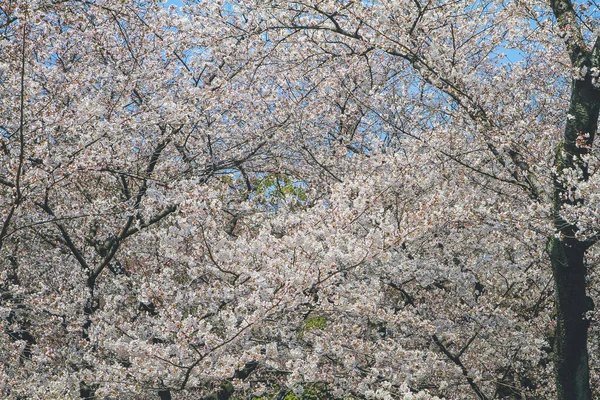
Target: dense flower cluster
(256,196)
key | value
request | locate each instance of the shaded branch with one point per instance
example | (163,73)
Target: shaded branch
(456,360)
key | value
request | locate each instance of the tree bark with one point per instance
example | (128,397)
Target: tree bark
(566,251)
(570,348)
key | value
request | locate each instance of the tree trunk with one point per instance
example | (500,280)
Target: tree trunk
(570,349)
(566,251)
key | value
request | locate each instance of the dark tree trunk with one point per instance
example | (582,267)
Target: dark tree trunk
(570,349)
(565,249)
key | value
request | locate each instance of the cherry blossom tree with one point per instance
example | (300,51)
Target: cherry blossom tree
(456,50)
(388,199)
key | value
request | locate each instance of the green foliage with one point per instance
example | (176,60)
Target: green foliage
(312,323)
(278,186)
(317,322)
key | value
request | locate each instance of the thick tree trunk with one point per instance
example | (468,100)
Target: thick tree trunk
(566,251)
(570,349)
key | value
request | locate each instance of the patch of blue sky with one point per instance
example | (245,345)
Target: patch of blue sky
(176,3)
(509,55)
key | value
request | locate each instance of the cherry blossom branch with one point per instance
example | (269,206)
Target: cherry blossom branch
(21,121)
(113,244)
(17,184)
(464,164)
(6,183)
(567,21)
(191,367)
(67,238)
(5,224)
(324,167)
(227,390)
(477,114)
(212,258)
(456,360)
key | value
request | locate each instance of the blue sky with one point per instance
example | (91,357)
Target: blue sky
(174,2)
